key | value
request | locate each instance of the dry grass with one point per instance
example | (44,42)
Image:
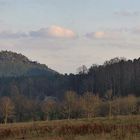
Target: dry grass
(122,128)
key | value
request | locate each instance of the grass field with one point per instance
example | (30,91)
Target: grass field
(120,128)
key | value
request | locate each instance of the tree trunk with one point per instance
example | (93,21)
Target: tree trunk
(110,110)
(69,111)
(5,119)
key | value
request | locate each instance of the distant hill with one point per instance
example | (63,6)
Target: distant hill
(34,80)
(14,65)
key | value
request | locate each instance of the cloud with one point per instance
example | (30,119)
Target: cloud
(12,35)
(100,34)
(127,13)
(103,35)
(54,32)
(50,32)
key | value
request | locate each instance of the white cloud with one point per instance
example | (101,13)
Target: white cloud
(54,32)
(103,35)
(50,32)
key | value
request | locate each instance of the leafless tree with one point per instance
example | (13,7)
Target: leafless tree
(69,102)
(82,70)
(48,106)
(6,108)
(109,97)
(90,104)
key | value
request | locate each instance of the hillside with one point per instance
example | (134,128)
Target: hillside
(14,65)
(35,80)
(35,89)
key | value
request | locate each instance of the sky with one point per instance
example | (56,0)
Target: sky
(65,34)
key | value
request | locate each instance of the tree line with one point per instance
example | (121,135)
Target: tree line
(118,74)
(111,85)
(18,108)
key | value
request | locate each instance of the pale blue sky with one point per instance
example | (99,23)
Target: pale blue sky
(65,34)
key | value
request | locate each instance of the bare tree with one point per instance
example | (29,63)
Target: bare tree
(125,105)
(129,105)
(109,97)
(82,70)
(116,106)
(48,106)
(69,102)
(90,104)
(6,108)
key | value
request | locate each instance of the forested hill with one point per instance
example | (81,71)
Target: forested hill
(14,65)
(120,75)
(20,75)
